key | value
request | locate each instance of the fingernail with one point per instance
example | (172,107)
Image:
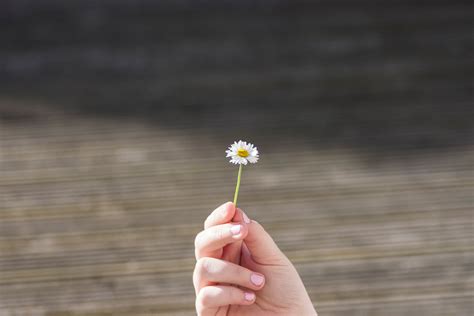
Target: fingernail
(246,219)
(235,230)
(257,279)
(249,296)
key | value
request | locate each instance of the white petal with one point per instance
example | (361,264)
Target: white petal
(252,159)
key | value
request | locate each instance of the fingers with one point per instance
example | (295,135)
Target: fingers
(261,245)
(209,242)
(209,271)
(221,215)
(212,297)
(232,251)
(240,216)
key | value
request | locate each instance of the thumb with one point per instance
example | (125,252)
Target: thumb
(261,245)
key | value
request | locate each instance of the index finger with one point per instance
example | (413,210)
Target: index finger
(221,215)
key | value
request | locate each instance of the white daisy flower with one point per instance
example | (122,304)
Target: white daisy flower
(241,153)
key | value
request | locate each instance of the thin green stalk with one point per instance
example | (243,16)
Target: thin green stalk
(237,187)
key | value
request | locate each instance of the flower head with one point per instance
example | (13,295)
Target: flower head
(241,153)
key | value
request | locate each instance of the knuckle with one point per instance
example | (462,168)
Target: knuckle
(199,306)
(199,265)
(209,220)
(196,276)
(204,298)
(197,269)
(197,240)
(204,265)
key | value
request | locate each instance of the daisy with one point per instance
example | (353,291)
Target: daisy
(241,153)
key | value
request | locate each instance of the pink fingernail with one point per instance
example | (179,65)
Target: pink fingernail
(246,219)
(257,279)
(235,230)
(249,296)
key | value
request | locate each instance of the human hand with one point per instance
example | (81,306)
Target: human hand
(241,271)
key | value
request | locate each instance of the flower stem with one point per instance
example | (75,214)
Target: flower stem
(237,187)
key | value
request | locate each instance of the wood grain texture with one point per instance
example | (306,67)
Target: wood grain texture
(95,226)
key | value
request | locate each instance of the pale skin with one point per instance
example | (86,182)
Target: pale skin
(241,271)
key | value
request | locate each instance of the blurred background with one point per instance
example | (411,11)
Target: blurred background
(114,119)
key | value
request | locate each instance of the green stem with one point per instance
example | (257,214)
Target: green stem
(237,187)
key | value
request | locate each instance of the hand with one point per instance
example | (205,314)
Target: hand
(241,271)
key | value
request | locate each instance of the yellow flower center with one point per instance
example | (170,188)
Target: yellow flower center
(242,153)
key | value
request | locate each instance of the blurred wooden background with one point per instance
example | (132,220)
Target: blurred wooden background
(114,118)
